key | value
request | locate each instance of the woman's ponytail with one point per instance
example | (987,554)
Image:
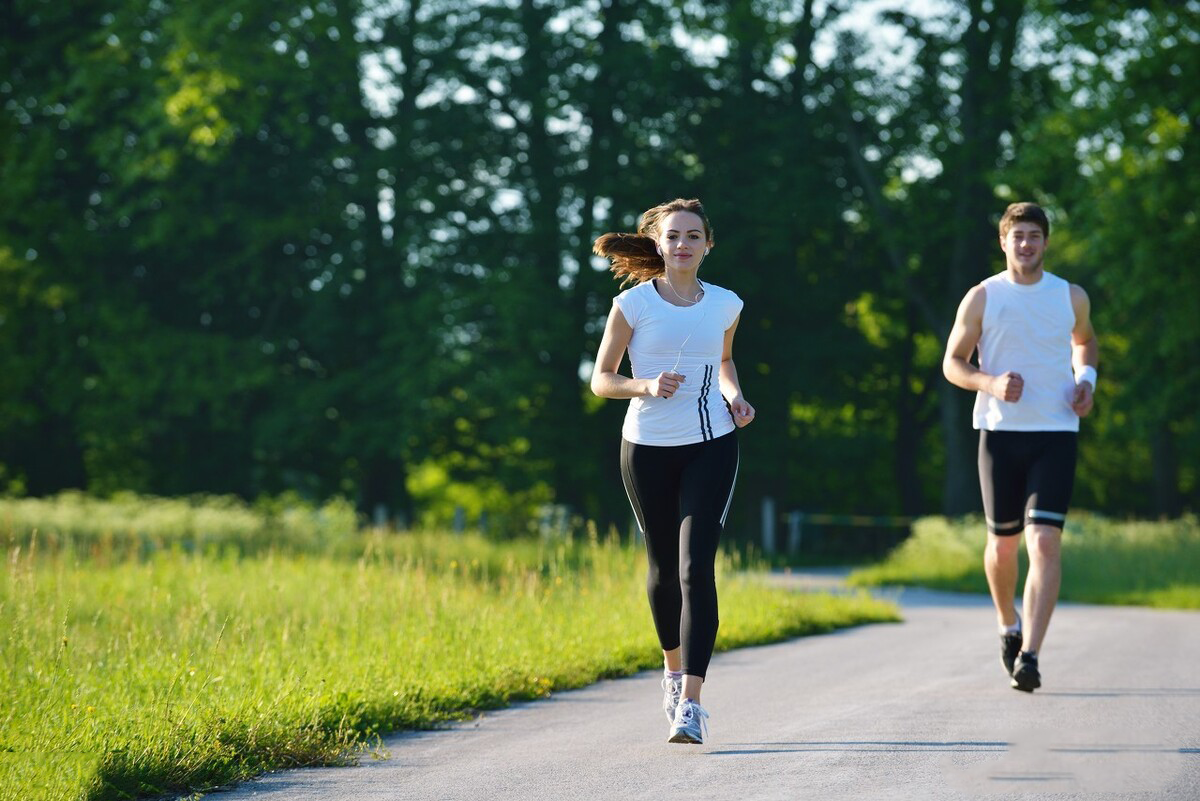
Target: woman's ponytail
(634,257)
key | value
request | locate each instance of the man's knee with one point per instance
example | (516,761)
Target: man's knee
(1044,543)
(1003,548)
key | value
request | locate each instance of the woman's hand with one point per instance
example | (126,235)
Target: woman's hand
(743,412)
(664,386)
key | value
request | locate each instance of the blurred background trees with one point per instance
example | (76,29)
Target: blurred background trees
(343,247)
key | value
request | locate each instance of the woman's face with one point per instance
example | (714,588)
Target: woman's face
(682,239)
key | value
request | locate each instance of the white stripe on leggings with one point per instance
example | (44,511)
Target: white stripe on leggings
(637,514)
(729,502)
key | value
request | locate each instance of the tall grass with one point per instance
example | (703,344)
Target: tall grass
(180,668)
(1104,561)
(128,524)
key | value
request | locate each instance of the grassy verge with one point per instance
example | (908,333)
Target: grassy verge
(129,525)
(190,668)
(1108,562)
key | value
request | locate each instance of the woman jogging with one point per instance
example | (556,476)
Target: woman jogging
(679,452)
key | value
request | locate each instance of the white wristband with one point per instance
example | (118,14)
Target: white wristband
(1086,373)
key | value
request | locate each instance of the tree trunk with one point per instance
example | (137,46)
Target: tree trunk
(1167,499)
(987,92)
(960,494)
(384,483)
(907,441)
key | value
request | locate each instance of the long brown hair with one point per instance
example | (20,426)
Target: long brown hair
(634,256)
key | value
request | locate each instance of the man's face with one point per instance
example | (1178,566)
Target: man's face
(1024,246)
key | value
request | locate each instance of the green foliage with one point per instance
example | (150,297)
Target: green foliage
(483,503)
(254,247)
(1104,561)
(1117,155)
(178,672)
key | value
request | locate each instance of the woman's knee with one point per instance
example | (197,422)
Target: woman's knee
(658,577)
(698,576)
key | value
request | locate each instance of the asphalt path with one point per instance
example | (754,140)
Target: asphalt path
(917,710)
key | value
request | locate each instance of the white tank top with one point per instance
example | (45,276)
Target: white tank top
(692,337)
(1027,329)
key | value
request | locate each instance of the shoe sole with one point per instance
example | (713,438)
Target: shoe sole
(685,738)
(1026,686)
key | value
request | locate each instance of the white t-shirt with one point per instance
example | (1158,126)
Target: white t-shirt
(1027,329)
(689,340)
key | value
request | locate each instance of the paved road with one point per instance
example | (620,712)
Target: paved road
(919,710)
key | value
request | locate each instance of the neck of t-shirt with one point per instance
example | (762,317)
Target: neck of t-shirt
(1026,286)
(703,292)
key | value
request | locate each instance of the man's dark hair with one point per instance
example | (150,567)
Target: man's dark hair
(1024,212)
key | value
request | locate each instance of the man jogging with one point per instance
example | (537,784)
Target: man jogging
(1036,375)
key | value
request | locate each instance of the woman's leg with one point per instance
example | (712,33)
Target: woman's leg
(706,489)
(651,476)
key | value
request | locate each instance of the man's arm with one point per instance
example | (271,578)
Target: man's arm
(964,336)
(1085,352)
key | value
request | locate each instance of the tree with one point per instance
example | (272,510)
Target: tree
(1115,151)
(934,204)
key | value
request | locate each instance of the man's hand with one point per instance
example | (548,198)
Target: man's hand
(1007,387)
(1081,398)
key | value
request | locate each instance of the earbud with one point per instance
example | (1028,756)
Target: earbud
(706,251)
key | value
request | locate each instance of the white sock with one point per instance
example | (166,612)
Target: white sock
(1015,628)
(676,675)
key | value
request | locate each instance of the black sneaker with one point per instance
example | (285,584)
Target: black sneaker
(1025,675)
(1010,646)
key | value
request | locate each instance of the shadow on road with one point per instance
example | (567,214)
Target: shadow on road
(922,746)
(1132,692)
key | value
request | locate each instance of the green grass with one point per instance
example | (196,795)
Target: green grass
(129,525)
(185,667)
(1104,561)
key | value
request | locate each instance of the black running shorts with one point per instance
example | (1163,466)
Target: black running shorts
(1026,478)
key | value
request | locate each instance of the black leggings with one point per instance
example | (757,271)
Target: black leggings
(681,496)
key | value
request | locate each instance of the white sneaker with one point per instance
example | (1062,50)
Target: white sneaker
(690,724)
(672,689)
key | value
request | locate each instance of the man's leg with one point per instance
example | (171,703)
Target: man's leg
(1051,482)
(1044,544)
(1000,565)
(1002,484)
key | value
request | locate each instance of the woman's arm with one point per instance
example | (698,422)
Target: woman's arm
(608,383)
(731,388)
